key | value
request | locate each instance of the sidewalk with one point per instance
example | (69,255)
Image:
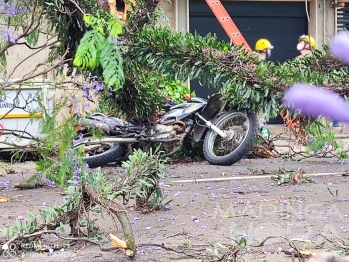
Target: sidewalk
(285,141)
(340,132)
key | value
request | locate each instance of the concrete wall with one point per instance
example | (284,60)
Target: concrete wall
(169,10)
(323,21)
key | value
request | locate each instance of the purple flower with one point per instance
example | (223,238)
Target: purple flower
(177,194)
(8,36)
(286,202)
(12,8)
(92,86)
(140,251)
(340,46)
(20,218)
(316,101)
(147,228)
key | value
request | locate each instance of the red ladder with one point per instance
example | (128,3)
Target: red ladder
(228,24)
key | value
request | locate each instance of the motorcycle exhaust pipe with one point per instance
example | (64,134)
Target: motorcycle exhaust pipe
(210,125)
(122,140)
(108,140)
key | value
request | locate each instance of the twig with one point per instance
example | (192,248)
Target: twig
(41,48)
(299,254)
(262,243)
(341,239)
(166,248)
(324,238)
(54,232)
(77,6)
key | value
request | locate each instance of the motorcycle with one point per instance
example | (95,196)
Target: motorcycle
(227,135)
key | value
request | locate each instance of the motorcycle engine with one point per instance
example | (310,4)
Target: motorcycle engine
(163,132)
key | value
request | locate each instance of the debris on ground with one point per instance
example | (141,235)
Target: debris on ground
(295,178)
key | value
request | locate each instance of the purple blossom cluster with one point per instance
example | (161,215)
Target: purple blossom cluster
(77,168)
(92,87)
(12,7)
(9,36)
(9,9)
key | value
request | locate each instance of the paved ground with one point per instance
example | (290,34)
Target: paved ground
(212,204)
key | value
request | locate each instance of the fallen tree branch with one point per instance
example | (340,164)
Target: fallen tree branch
(57,234)
(29,185)
(119,211)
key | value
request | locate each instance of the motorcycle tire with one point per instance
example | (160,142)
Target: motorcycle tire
(110,155)
(225,152)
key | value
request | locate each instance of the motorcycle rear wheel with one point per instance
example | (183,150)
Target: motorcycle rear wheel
(242,129)
(101,154)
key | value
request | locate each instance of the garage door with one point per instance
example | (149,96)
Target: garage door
(280,22)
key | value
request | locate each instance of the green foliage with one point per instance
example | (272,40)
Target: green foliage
(57,162)
(323,140)
(87,55)
(263,89)
(28,225)
(233,251)
(142,173)
(111,62)
(173,89)
(144,170)
(68,26)
(20,227)
(184,55)
(138,98)
(99,47)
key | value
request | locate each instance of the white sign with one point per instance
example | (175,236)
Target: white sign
(20,112)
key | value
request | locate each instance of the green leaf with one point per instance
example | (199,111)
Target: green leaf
(111,62)
(87,54)
(320,246)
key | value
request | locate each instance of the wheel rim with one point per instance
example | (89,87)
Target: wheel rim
(96,149)
(236,126)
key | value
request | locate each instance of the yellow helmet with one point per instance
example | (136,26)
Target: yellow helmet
(263,44)
(308,39)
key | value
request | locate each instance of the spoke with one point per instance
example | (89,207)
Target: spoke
(236,126)
(97,149)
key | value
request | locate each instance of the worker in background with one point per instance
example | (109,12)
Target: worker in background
(263,51)
(306,45)
(263,48)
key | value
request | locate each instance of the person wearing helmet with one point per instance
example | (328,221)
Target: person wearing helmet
(263,48)
(305,45)
(263,51)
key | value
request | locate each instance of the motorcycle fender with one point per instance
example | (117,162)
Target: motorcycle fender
(210,112)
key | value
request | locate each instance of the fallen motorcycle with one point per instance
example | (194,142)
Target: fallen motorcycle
(227,136)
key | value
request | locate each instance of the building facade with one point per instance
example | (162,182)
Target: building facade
(281,22)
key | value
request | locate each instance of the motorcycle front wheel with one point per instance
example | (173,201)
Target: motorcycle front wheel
(241,129)
(101,154)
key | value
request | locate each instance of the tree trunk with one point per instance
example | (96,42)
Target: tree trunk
(119,211)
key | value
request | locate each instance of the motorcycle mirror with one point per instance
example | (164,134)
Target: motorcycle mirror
(187,97)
